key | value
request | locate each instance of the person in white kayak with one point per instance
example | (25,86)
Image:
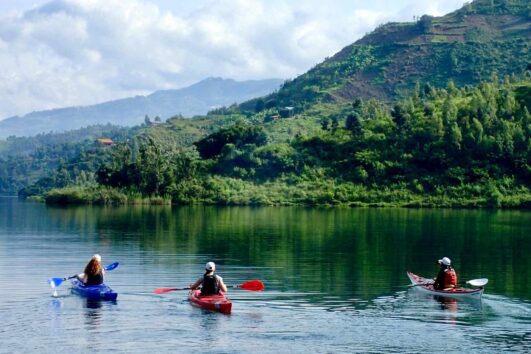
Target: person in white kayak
(94,272)
(211,283)
(447,277)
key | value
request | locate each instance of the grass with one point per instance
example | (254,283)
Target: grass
(217,190)
(101,196)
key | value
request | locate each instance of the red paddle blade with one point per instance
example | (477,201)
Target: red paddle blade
(164,290)
(252,285)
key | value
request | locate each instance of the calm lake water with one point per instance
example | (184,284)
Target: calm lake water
(335,279)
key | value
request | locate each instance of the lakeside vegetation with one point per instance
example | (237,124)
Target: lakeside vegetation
(452,147)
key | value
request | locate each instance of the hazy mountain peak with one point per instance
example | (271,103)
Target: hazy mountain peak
(188,101)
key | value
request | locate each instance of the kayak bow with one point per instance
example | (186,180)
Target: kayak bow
(93,292)
(425,285)
(218,303)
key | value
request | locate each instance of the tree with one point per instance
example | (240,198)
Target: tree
(272,103)
(147,121)
(325,123)
(428,90)
(453,138)
(353,124)
(335,124)
(452,90)
(259,106)
(154,168)
(399,116)
(357,105)
(449,112)
(426,23)
(239,134)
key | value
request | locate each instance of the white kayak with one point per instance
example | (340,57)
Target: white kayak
(426,286)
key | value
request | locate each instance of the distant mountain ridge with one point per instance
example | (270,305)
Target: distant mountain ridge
(193,100)
(465,46)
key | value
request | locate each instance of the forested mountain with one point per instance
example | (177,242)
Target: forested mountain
(438,147)
(193,100)
(442,133)
(466,46)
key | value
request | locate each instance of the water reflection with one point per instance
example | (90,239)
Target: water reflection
(93,313)
(358,253)
(447,303)
(209,321)
(338,274)
(449,306)
(54,307)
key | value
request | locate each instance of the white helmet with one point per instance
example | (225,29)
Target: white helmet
(210,266)
(445,260)
(97,257)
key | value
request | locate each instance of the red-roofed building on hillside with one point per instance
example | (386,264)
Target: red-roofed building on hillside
(105,141)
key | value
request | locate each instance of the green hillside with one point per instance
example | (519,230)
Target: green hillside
(52,160)
(431,113)
(466,46)
(452,147)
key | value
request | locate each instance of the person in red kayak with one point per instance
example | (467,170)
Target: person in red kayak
(447,277)
(94,272)
(211,283)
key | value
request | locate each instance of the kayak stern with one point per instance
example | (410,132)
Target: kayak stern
(218,303)
(93,292)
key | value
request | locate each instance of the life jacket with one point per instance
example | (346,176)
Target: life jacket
(450,278)
(210,284)
(94,279)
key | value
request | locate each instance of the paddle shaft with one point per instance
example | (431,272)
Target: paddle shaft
(251,285)
(167,290)
(55,282)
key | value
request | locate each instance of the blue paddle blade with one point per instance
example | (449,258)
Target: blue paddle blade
(112,266)
(55,282)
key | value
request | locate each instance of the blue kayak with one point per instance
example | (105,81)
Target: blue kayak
(93,292)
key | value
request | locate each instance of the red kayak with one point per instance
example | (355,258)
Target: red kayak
(218,303)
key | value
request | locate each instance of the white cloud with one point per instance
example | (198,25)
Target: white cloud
(77,52)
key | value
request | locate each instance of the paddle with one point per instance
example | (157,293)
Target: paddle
(251,285)
(478,282)
(55,282)
(474,282)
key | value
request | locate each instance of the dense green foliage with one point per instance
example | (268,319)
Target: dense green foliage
(465,146)
(36,164)
(236,137)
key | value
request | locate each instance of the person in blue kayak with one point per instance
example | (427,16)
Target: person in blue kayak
(211,283)
(94,272)
(447,277)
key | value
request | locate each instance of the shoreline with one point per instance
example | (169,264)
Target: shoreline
(289,196)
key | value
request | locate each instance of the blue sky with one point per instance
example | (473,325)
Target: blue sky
(76,52)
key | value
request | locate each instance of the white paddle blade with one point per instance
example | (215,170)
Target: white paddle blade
(478,282)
